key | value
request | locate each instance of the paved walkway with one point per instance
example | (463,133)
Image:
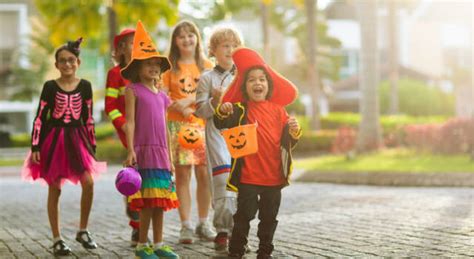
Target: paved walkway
(316,220)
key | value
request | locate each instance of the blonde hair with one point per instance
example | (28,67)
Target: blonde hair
(222,34)
(174,54)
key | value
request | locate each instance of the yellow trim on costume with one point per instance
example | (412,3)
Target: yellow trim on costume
(112,92)
(159,193)
(114,114)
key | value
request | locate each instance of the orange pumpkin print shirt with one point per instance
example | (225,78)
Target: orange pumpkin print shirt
(183,84)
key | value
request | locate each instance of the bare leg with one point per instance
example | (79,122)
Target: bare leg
(87,184)
(145,215)
(203,191)
(53,209)
(157,217)
(183,190)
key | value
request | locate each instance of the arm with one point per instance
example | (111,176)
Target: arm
(206,100)
(87,118)
(130,126)
(40,119)
(112,93)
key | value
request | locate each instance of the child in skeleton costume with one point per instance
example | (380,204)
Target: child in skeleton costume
(210,88)
(63,142)
(258,95)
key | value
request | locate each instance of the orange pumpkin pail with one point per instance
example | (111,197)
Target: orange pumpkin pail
(241,140)
(191,136)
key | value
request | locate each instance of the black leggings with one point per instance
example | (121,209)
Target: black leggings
(265,199)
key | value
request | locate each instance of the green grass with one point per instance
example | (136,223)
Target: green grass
(11,162)
(393,160)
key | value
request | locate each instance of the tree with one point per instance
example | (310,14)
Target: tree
(369,135)
(393,55)
(70,20)
(310,31)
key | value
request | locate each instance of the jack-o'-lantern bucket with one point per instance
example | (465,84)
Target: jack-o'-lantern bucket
(190,136)
(241,140)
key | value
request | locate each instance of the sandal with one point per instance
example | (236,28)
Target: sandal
(84,237)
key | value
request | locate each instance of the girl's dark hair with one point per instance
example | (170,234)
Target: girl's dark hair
(71,46)
(174,50)
(243,88)
(134,67)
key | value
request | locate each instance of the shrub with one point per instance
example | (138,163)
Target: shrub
(314,141)
(21,140)
(452,137)
(417,98)
(111,150)
(344,141)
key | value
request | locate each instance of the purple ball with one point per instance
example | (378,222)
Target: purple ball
(128,181)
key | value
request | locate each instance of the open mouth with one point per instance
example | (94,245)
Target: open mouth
(192,141)
(257,91)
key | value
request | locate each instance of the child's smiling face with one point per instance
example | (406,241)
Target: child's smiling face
(223,53)
(256,85)
(150,69)
(186,41)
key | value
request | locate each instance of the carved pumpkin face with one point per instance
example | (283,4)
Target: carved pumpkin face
(188,85)
(241,140)
(238,142)
(190,137)
(147,47)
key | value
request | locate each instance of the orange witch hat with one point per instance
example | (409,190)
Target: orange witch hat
(284,91)
(143,48)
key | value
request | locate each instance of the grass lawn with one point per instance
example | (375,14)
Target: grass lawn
(389,160)
(11,162)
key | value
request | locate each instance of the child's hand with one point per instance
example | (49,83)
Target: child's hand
(188,112)
(226,108)
(35,157)
(131,159)
(293,125)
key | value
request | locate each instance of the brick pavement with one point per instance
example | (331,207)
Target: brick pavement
(316,220)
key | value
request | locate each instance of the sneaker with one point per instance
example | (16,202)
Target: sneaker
(264,256)
(84,237)
(60,248)
(166,252)
(186,236)
(221,242)
(205,231)
(145,252)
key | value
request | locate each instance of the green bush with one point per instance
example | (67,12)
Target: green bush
(21,140)
(104,130)
(315,141)
(111,150)
(417,99)
(389,123)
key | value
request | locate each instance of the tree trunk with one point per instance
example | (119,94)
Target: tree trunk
(369,135)
(112,21)
(393,55)
(313,77)
(266,44)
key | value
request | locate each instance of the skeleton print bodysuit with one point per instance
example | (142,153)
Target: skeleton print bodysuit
(63,133)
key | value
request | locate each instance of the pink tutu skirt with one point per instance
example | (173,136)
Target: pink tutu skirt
(65,154)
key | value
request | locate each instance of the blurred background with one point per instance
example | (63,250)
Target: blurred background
(371,74)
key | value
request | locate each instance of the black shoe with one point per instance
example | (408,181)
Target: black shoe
(264,256)
(235,255)
(84,237)
(60,248)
